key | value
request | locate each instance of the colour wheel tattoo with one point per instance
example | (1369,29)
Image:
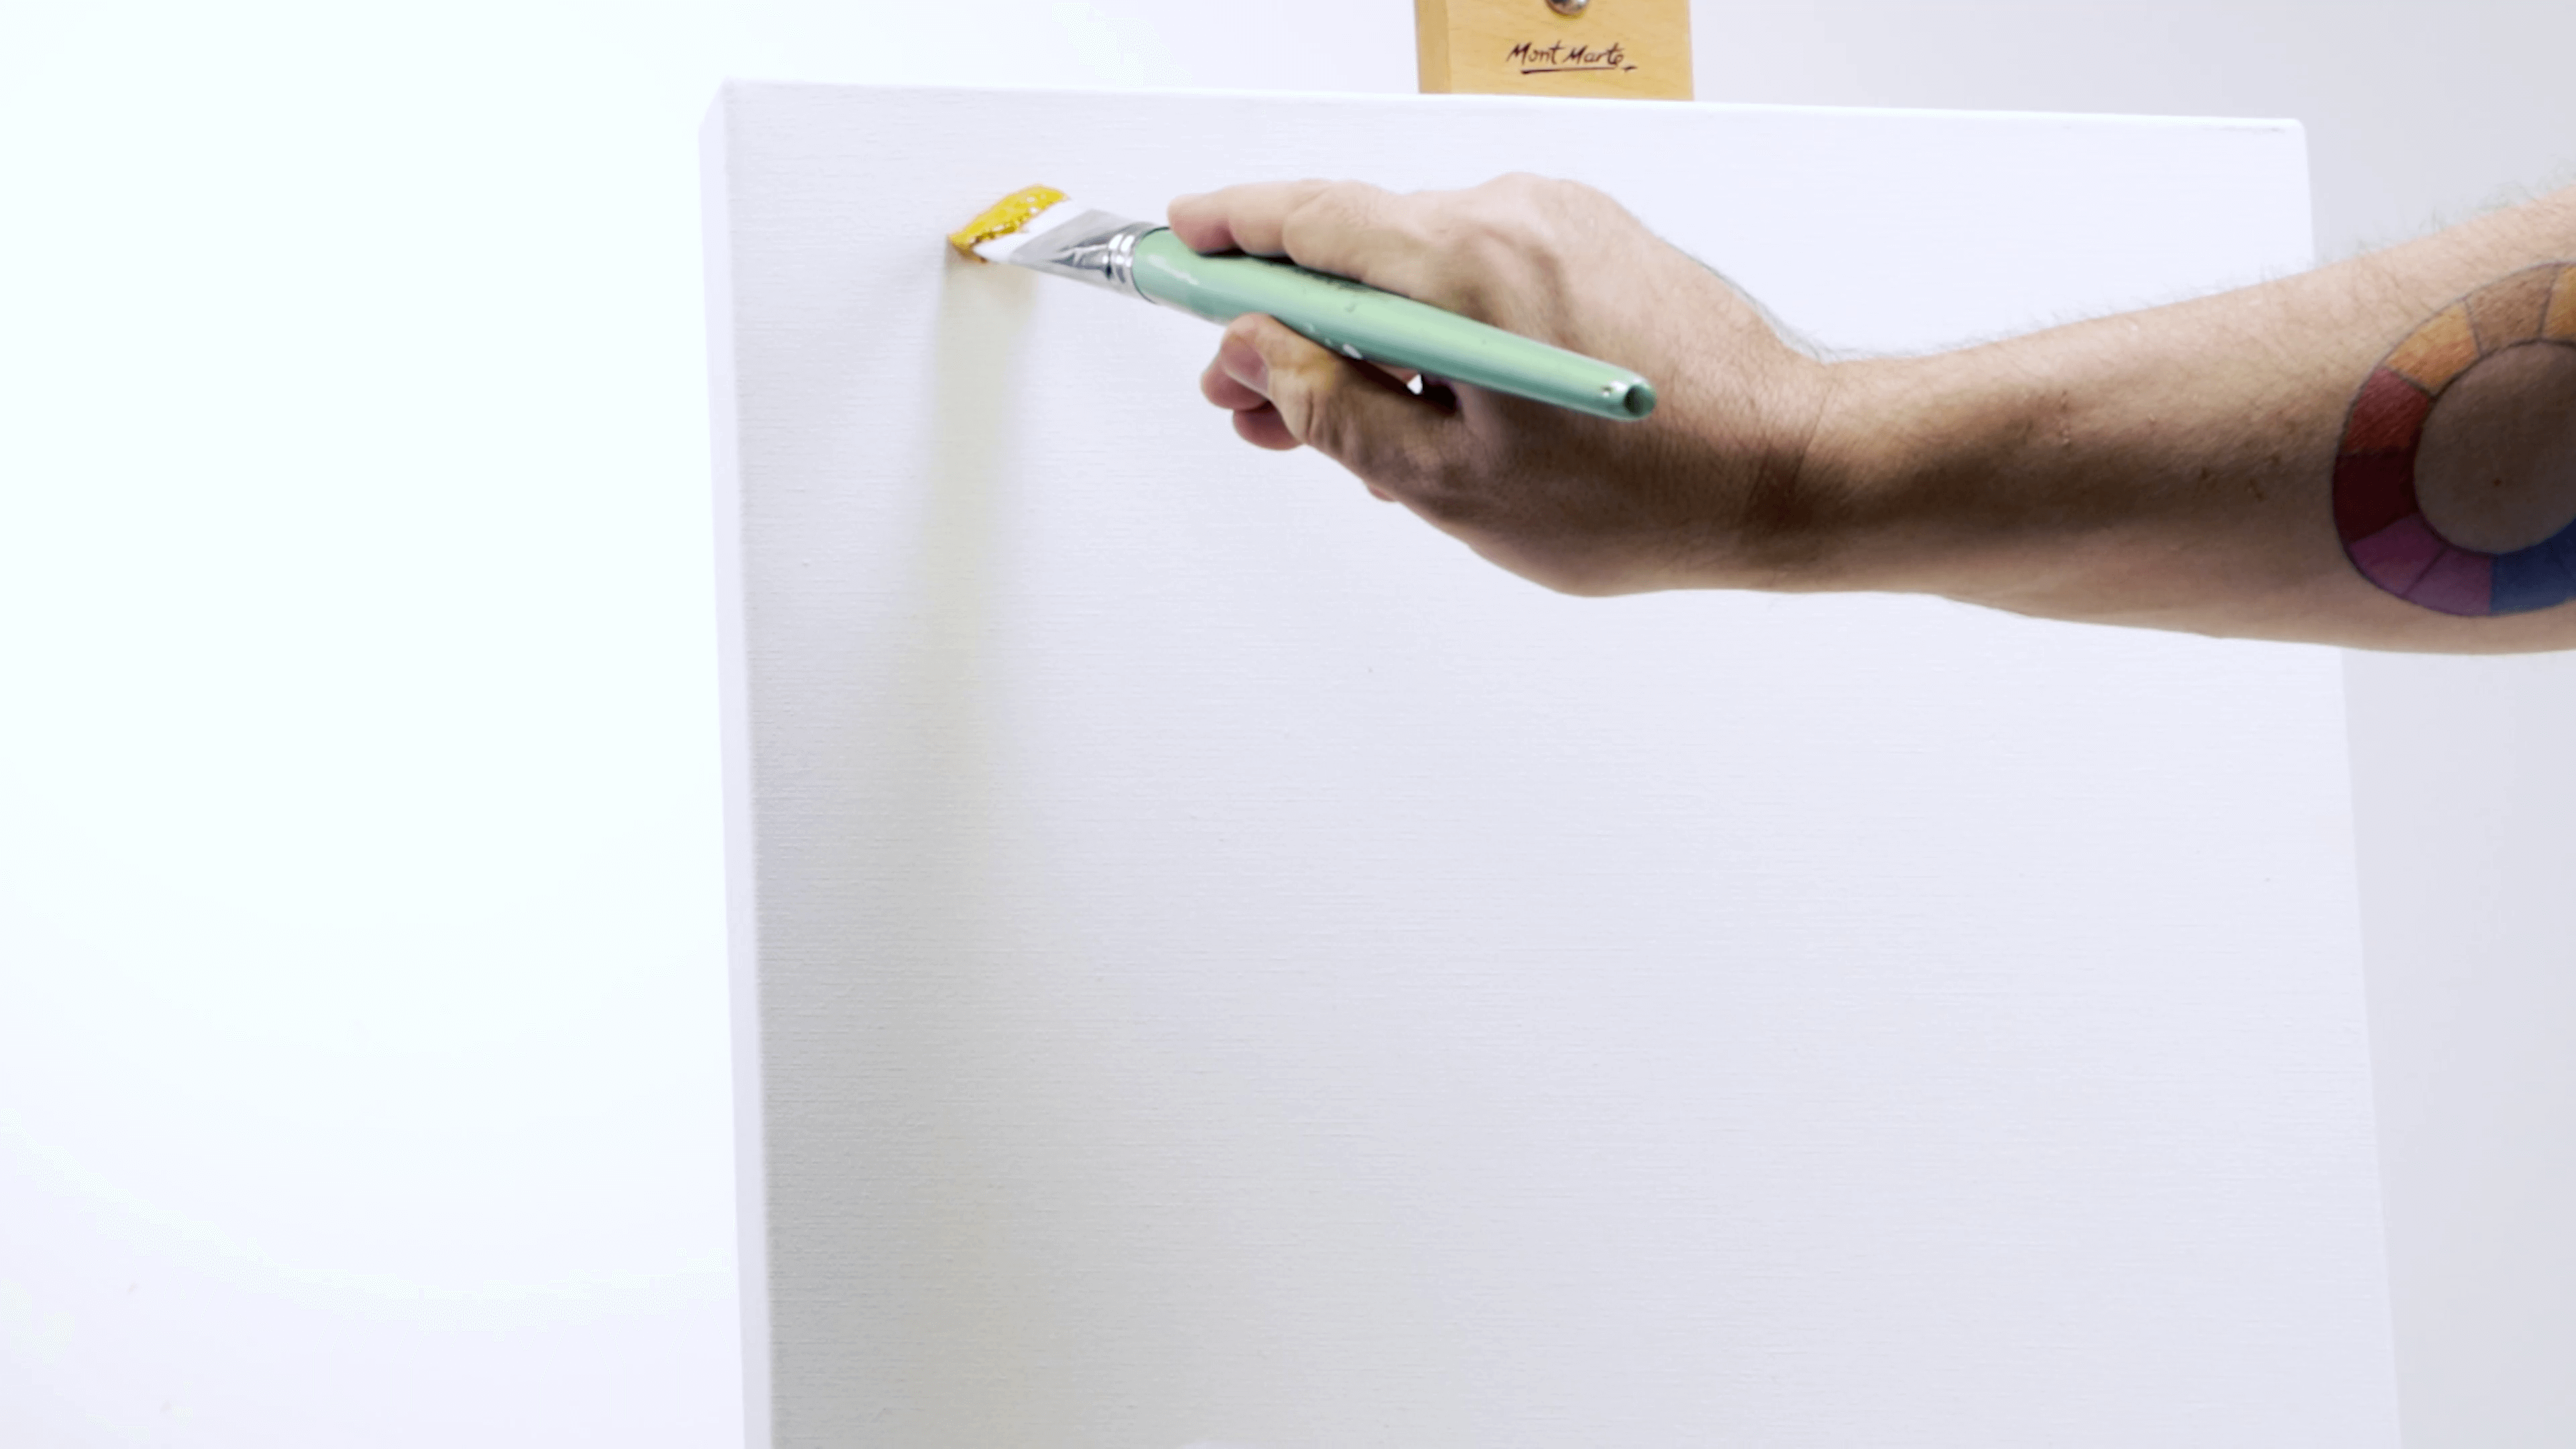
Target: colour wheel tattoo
(2382,524)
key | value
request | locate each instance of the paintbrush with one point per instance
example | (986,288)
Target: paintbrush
(1040,229)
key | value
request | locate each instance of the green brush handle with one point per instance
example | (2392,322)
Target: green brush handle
(1361,321)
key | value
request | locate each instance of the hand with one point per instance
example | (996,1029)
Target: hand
(1714,489)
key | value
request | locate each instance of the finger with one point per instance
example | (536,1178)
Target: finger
(1347,228)
(1255,420)
(1355,415)
(1240,218)
(1220,387)
(1262,428)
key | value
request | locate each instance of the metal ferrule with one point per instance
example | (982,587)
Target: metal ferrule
(1095,247)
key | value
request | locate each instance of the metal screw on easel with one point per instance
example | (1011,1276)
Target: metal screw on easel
(1569,7)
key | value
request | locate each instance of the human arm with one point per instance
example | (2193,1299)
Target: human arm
(2174,468)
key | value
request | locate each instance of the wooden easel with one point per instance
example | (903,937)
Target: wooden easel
(1636,49)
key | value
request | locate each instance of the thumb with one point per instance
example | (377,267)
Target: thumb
(1346,410)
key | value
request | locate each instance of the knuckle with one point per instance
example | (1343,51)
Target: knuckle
(1488,242)
(1334,215)
(1302,230)
(1303,394)
(1333,426)
(1341,200)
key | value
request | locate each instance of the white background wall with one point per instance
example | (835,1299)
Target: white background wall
(362,1071)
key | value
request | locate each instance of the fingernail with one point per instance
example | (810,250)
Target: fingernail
(1245,365)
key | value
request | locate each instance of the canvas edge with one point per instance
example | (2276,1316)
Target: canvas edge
(733,693)
(748,85)
(2392,1411)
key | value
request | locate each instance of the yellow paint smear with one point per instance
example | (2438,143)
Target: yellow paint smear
(1004,217)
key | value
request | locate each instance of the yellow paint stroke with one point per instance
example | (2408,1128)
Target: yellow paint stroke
(2439,350)
(2561,324)
(1004,217)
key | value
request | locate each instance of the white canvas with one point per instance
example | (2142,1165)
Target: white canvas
(1215,961)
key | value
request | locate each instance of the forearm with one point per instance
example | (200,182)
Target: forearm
(2380,453)
(2178,467)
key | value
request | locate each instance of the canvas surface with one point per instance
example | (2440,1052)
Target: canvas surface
(1217,961)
